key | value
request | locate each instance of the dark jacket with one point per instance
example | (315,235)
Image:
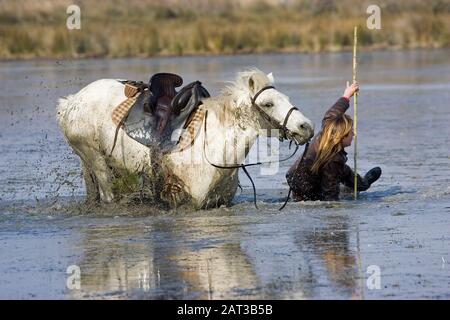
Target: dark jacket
(324,185)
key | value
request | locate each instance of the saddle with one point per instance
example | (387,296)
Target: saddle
(162,87)
(152,112)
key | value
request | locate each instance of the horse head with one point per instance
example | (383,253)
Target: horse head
(273,107)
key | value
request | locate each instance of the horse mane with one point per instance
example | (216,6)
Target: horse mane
(238,91)
(235,97)
(240,85)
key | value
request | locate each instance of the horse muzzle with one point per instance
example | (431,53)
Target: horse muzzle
(304,133)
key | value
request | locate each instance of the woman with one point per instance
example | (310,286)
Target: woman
(318,173)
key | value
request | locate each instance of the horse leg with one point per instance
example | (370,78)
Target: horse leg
(92,190)
(104,178)
(98,175)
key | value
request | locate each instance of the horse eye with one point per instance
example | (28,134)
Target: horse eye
(268,104)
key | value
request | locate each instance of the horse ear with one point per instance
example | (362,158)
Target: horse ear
(251,84)
(271,78)
(256,81)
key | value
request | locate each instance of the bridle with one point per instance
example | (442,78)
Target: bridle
(273,123)
(264,115)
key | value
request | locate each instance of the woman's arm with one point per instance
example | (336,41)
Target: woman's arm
(342,104)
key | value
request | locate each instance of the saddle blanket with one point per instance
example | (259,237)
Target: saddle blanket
(132,117)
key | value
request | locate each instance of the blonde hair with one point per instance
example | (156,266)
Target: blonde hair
(330,140)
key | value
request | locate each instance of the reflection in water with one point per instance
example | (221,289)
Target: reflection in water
(113,263)
(208,257)
(162,262)
(332,245)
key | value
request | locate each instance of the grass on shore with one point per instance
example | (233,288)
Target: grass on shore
(133,28)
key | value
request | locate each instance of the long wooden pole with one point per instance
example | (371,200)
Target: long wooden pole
(355,116)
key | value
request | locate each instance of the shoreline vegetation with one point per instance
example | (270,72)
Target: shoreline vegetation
(32,29)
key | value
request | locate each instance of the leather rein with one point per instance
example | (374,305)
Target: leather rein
(244,166)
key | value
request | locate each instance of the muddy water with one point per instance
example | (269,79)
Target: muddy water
(310,250)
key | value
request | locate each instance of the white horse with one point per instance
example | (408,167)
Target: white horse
(248,106)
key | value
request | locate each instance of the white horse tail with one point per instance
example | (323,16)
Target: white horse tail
(61,110)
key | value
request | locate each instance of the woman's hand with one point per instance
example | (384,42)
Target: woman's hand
(351,89)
